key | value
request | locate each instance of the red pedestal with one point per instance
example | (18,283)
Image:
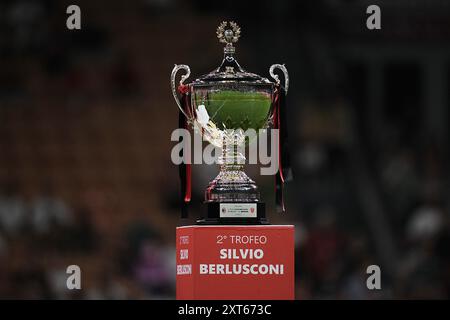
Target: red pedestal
(235,262)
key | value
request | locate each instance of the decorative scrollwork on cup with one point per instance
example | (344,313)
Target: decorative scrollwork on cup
(175,70)
(276,78)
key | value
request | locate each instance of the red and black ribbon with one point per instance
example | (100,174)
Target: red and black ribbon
(184,168)
(284,164)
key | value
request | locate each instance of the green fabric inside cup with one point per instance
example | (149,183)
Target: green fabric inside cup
(237,109)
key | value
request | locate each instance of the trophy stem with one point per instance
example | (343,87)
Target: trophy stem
(232,190)
(232,184)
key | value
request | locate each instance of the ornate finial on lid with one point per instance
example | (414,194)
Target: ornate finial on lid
(228,33)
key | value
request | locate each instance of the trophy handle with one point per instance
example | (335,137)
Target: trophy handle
(175,70)
(285,72)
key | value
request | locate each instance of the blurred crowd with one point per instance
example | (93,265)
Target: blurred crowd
(118,222)
(41,236)
(333,253)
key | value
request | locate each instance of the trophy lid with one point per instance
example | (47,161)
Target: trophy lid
(230,70)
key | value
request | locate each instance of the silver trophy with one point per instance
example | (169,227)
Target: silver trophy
(223,105)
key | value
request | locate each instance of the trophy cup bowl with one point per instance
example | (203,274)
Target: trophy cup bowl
(224,105)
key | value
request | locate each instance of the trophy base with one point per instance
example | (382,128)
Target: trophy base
(234,213)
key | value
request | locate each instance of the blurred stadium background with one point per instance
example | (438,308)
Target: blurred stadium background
(86,116)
